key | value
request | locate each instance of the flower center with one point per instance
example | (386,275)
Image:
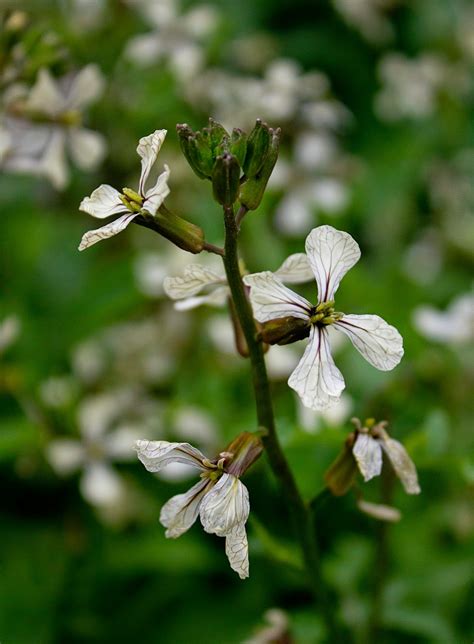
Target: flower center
(324,314)
(131,200)
(214,469)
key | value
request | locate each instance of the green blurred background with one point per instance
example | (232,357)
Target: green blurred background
(375,101)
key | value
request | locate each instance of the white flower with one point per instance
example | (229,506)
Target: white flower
(317,380)
(9,331)
(40,126)
(367,451)
(106,201)
(454,326)
(294,270)
(220,499)
(100,484)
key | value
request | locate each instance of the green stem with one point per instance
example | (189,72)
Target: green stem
(300,512)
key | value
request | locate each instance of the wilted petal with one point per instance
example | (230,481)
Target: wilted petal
(316,379)
(87,148)
(331,254)
(379,511)
(378,342)
(225,506)
(157,454)
(402,464)
(296,269)
(271,299)
(217,297)
(237,551)
(156,195)
(109,230)
(148,148)
(86,87)
(45,95)
(101,485)
(181,511)
(193,280)
(368,454)
(103,202)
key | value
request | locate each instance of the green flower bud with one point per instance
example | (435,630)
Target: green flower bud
(182,233)
(284,330)
(225,179)
(195,148)
(214,134)
(252,190)
(238,145)
(258,146)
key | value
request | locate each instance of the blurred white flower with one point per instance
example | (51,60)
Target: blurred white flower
(105,437)
(196,278)
(316,379)
(277,630)
(453,326)
(423,260)
(410,87)
(39,125)
(368,17)
(9,331)
(106,201)
(335,416)
(178,38)
(58,392)
(219,498)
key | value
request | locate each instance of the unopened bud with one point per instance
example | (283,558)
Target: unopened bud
(214,133)
(195,148)
(182,233)
(252,190)
(284,330)
(238,145)
(258,147)
(245,450)
(341,474)
(225,179)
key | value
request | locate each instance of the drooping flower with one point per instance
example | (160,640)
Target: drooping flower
(317,380)
(106,201)
(220,499)
(39,125)
(363,451)
(196,278)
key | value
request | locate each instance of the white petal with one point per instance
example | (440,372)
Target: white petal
(225,506)
(119,445)
(331,254)
(296,269)
(378,342)
(45,95)
(86,87)
(316,379)
(379,511)
(101,485)
(271,299)
(148,148)
(237,551)
(402,464)
(54,164)
(156,195)
(109,230)
(87,148)
(218,297)
(65,455)
(368,454)
(157,454)
(194,279)
(181,511)
(103,202)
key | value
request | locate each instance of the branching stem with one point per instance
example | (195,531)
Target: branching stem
(301,514)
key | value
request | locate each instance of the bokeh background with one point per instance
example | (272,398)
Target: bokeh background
(375,99)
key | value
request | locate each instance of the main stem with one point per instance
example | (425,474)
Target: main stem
(301,514)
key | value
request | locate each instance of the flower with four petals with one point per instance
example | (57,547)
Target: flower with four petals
(106,201)
(317,380)
(220,499)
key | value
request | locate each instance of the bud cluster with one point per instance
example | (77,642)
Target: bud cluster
(239,165)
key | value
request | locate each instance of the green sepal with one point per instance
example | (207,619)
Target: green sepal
(258,146)
(225,179)
(182,233)
(252,190)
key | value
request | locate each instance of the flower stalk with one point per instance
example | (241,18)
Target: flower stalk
(301,514)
